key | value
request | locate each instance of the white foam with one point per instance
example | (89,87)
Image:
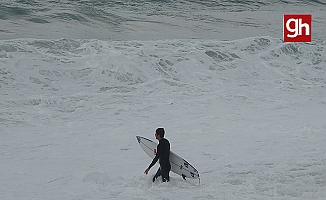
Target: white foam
(248,114)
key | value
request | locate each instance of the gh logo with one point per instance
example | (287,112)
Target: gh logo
(297,27)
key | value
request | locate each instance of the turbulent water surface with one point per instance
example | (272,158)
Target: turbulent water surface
(126,20)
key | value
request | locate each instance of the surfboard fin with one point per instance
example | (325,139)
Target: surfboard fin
(184,177)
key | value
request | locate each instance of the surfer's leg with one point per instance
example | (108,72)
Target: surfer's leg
(165,173)
(158,173)
(165,176)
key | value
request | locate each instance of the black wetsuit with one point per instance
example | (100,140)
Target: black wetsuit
(163,155)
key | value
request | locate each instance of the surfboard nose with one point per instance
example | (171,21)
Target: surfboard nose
(138,139)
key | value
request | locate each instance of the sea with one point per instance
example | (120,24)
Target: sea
(153,19)
(80,79)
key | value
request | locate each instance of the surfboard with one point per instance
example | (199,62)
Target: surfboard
(178,165)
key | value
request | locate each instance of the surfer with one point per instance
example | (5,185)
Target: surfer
(163,155)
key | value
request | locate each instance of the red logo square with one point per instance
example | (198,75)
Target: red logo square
(297,27)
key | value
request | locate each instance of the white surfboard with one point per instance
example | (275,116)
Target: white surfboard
(178,165)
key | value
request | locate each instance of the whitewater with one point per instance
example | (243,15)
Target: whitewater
(245,108)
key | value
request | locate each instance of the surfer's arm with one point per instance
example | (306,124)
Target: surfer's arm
(152,164)
(154,161)
(157,156)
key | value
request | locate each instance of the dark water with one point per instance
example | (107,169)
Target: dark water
(130,19)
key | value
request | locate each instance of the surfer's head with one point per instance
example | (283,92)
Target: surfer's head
(160,132)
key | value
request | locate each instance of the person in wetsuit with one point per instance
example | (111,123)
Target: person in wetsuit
(163,155)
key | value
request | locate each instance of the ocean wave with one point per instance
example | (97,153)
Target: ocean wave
(126,67)
(152,20)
